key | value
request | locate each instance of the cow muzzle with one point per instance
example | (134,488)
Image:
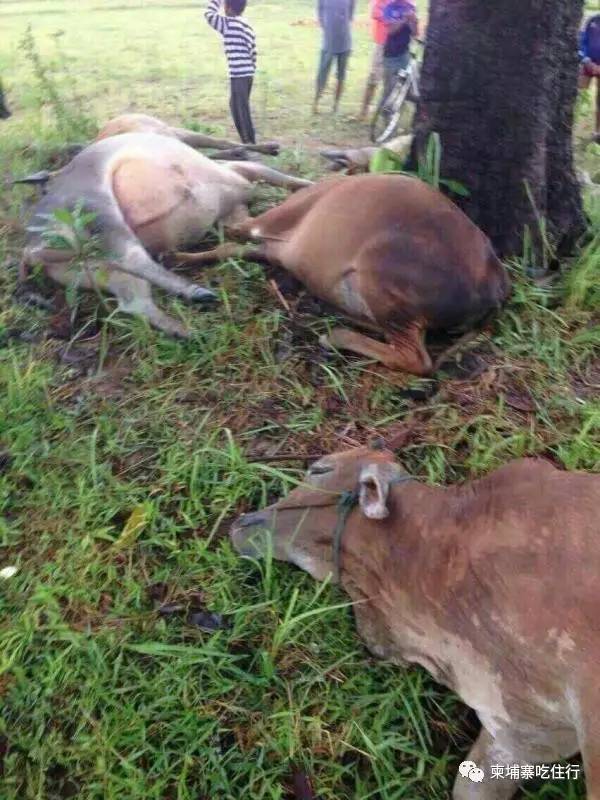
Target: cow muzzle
(250,533)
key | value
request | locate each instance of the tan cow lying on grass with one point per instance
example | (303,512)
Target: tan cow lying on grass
(149,194)
(357,159)
(493,587)
(391,252)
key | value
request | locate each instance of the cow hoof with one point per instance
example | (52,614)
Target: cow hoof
(203,297)
(179,332)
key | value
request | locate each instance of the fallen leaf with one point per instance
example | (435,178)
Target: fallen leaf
(3,753)
(8,572)
(137,521)
(522,401)
(157,591)
(301,785)
(207,620)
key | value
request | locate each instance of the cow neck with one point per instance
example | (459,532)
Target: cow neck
(346,504)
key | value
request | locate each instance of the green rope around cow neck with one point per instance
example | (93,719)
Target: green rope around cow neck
(346,504)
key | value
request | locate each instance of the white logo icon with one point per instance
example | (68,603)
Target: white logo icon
(470,770)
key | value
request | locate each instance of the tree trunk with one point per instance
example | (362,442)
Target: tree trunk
(499,84)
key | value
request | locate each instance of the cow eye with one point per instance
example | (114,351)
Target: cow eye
(319,469)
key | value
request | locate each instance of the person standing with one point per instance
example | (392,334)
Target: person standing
(589,51)
(335,19)
(240,48)
(402,24)
(4,111)
(379,34)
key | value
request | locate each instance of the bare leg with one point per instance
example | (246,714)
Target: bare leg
(256,173)
(322,75)
(342,64)
(339,90)
(406,352)
(370,89)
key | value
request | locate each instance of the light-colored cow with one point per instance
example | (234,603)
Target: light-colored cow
(150,194)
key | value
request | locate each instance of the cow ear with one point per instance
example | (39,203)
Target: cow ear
(374,488)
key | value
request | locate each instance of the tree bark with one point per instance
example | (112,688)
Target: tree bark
(499,85)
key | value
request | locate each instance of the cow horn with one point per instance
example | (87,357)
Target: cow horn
(37,178)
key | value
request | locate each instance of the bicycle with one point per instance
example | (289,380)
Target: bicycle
(389,111)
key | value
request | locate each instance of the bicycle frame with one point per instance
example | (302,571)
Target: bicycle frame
(405,88)
(410,73)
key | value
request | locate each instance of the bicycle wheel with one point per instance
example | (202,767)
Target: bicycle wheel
(388,112)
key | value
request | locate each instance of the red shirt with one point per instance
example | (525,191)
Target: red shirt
(379,29)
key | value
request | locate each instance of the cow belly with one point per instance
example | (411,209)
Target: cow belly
(323,265)
(163,206)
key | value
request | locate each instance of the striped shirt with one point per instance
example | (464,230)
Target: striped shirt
(238,38)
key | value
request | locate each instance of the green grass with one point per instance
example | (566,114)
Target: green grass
(130,454)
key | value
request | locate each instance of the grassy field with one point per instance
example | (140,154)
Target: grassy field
(124,456)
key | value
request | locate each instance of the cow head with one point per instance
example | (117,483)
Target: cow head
(300,528)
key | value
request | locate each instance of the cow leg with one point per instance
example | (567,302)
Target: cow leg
(200,140)
(135,297)
(248,252)
(591,763)
(133,294)
(399,356)
(260,173)
(486,752)
(237,216)
(588,733)
(405,351)
(136,261)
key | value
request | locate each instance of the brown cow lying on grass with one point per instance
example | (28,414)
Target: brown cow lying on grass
(391,252)
(493,587)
